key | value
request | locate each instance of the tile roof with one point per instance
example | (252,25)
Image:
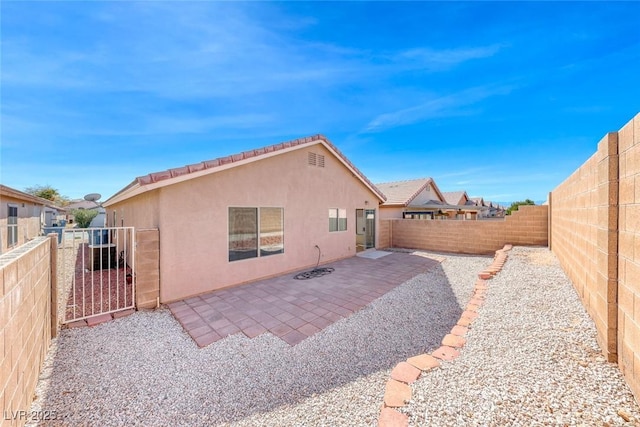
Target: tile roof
(170,174)
(453,197)
(403,192)
(478,201)
(17,194)
(431,204)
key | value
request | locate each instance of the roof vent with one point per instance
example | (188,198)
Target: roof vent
(315,159)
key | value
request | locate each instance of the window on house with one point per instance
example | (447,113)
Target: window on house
(271,231)
(255,232)
(337,219)
(12,226)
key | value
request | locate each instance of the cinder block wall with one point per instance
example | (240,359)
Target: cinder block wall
(384,234)
(147,268)
(595,233)
(25,325)
(629,254)
(528,226)
(584,236)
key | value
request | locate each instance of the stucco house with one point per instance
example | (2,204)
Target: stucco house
(465,208)
(251,215)
(22,216)
(483,211)
(495,210)
(413,199)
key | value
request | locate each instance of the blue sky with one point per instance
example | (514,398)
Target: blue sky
(503,100)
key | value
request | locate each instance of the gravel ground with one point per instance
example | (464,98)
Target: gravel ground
(531,359)
(145,370)
(66,270)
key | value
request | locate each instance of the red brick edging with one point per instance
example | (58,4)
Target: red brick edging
(99,319)
(398,390)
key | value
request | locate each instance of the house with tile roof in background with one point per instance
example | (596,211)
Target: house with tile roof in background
(252,215)
(483,210)
(465,208)
(413,199)
(495,210)
(22,217)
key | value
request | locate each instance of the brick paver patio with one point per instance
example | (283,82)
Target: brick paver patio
(296,309)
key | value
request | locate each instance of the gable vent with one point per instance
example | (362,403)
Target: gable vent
(315,160)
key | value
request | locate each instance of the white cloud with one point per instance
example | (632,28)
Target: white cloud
(443,59)
(444,106)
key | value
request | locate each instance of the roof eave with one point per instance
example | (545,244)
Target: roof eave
(139,186)
(17,194)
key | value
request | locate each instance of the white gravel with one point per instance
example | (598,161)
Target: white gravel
(531,359)
(523,353)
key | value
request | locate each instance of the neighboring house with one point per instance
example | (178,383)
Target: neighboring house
(465,208)
(412,199)
(22,216)
(483,211)
(81,204)
(251,215)
(78,204)
(495,210)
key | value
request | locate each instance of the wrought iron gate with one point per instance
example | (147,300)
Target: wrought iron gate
(96,271)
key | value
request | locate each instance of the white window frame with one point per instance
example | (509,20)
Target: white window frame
(12,228)
(337,220)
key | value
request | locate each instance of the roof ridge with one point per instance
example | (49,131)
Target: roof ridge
(232,158)
(167,174)
(406,180)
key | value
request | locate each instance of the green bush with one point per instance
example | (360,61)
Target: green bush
(83,217)
(514,205)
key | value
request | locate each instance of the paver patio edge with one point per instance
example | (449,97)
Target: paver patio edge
(293,311)
(451,343)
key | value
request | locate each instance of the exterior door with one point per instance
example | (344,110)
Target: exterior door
(370,228)
(365,229)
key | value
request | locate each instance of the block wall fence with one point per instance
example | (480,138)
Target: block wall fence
(147,268)
(27,276)
(595,233)
(527,226)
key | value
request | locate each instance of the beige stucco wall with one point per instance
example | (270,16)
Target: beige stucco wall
(425,195)
(192,219)
(141,211)
(29,221)
(391,212)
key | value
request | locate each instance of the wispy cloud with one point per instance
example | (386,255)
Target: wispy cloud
(466,172)
(444,59)
(444,106)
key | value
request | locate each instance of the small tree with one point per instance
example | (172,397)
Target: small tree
(514,205)
(83,217)
(47,192)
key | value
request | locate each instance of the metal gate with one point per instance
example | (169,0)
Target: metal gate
(96,271)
